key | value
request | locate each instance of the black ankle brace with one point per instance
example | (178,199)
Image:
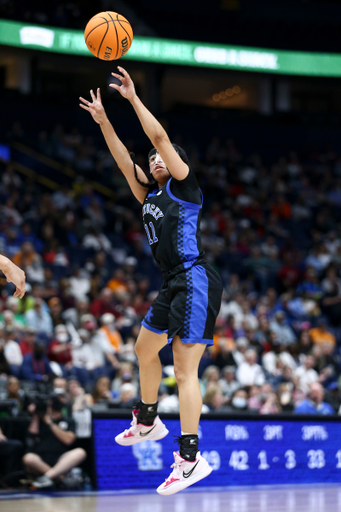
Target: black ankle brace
(147,413)
(189,446)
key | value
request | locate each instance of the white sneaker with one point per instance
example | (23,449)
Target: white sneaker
(42,482)
(184,474)
(139,432)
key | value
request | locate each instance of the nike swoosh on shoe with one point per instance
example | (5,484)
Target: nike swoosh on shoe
(186,475)
(142,434)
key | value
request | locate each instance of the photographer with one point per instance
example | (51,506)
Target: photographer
(50,435)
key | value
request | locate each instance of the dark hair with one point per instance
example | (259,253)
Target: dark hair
(181,152)
(95,392)
(151,185)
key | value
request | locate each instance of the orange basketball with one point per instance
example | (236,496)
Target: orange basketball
(108,35)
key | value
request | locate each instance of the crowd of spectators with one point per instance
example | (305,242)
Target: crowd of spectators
(271,228)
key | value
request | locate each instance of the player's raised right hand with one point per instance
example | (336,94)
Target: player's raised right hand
(95,108)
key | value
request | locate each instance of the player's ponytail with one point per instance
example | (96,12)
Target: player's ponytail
(150,185)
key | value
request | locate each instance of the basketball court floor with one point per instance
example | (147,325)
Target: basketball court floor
(300,498)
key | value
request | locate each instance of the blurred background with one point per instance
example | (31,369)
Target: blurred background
(265,146)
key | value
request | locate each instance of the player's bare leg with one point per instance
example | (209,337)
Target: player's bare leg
(189,466)
(148,346)
(146,424)
(187,357)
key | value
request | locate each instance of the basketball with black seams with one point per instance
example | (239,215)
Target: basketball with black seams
(108,35)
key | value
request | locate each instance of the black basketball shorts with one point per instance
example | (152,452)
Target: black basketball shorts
(187,305)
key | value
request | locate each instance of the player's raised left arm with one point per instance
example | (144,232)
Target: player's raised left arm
(152,128)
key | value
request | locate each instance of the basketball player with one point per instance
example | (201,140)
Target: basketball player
(186,308)
(13,275)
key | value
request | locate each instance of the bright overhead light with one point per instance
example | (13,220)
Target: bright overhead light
(236,89)
(229,92)
(222,95)
(216,97)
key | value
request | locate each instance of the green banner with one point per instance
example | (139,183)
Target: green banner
(149,49)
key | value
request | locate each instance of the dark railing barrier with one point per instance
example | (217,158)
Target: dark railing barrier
(243,449)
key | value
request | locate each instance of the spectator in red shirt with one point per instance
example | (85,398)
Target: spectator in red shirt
(59,349)
(104,304)
(289,274)
(27,342)
(282,208)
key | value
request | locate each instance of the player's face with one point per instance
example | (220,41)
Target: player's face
(158,168)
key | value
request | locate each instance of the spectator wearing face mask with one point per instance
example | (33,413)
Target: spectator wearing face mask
(239,401)
(36,366)
(109,331)
(59,349)
(125,374)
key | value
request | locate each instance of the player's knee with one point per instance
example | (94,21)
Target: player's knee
(143,351)
(140,349)
(180,375)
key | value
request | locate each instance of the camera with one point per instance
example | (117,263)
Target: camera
(41,401)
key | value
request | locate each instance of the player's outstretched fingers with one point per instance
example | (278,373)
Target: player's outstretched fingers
(84,101)
(123,71)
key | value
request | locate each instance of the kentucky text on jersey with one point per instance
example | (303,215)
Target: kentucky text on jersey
(153,210)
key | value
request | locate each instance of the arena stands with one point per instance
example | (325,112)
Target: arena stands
(271,228)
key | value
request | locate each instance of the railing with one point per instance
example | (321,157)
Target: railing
(47,171)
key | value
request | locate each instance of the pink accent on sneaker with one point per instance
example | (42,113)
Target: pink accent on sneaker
(184,474)
(170,481)
(128,434)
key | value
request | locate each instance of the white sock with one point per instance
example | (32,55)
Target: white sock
(187,434)
(148,404)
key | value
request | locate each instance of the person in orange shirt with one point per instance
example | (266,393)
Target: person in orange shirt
(320,334)
(26,256)
(118,281)
(109,330)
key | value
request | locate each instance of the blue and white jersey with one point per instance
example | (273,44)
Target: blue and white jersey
(171,217)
